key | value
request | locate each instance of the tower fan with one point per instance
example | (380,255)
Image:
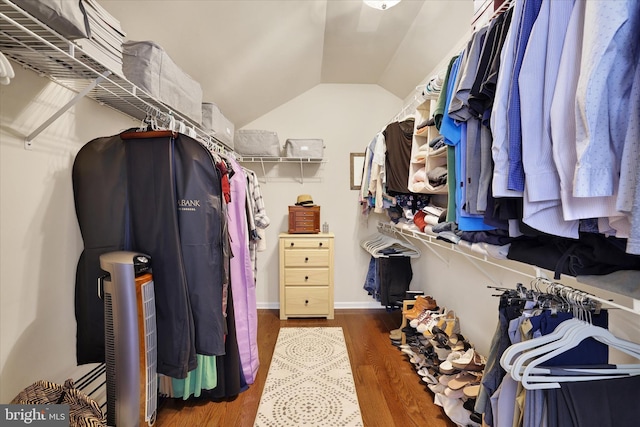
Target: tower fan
(130,339)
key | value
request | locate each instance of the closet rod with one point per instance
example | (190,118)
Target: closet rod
(430,240)
(610,303)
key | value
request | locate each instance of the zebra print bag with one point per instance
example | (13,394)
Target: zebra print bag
(83,410)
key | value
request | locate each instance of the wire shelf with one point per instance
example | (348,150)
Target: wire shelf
(35,46)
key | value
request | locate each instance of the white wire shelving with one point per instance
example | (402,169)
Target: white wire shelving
(301,161)
(35,46)
(432,243)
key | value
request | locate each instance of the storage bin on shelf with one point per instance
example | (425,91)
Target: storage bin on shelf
(304,148)
(148,66)
(257,142)
(213,119)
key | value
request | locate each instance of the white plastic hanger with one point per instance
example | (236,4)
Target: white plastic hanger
(379,242)
(574,337)
(515,350)
(507,360)
(522,360)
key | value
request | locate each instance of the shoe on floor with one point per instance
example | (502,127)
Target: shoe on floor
(470,361)
(471,391)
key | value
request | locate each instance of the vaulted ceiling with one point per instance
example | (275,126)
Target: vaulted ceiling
(251,56)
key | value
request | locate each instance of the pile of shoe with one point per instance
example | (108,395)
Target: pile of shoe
(443,358)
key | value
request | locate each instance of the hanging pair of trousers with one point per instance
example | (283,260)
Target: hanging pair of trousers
(395,278)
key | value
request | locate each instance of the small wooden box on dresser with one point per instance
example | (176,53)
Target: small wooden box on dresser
(306,275)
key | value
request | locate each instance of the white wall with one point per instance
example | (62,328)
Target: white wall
(40,237)
(346,117)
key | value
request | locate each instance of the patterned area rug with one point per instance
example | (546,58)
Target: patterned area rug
(309,381)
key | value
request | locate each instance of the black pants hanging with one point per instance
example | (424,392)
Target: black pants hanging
(395,278)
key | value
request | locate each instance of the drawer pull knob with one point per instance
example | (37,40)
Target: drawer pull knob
(320,244)
(306,278)
(291,244)
(306,259)
(306,302)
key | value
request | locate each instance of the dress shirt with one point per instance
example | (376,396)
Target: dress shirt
(439,109)
(488,87)
(450,130)
(481,99)
(473,165)
(377,184)
(541,177)
(563,131)
(465,220)
(609,58)
(542,208)
(500,145)
(459,106)
(366,172)
(477,101)
(516,171)
(629,195)
(486,165)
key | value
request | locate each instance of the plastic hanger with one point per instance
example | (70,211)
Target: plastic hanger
(568,335)
(571,340)
(376,244)
(517,355)
(507,360)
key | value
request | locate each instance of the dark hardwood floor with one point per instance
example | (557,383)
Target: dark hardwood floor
(389,390)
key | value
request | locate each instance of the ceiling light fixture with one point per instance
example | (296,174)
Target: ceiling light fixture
(381,4)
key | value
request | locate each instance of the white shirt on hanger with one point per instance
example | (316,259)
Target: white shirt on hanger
(563,131)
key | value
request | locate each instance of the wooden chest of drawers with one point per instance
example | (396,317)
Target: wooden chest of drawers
(306,275)
(304,219)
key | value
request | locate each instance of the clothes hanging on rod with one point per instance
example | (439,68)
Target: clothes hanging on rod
(187,238)
(383,246)
(551,224)
(538,64)
(388,279)
(242,280)
(184,176)
(398,137)
(566,330)
(261,220)
(389,275)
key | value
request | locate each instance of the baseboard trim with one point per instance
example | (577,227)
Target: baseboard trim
(336,306)
(268,305)
(357,304)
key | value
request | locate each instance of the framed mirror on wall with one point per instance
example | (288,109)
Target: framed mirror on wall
(356,169)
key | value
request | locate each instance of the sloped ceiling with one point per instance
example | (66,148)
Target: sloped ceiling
(251,56)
